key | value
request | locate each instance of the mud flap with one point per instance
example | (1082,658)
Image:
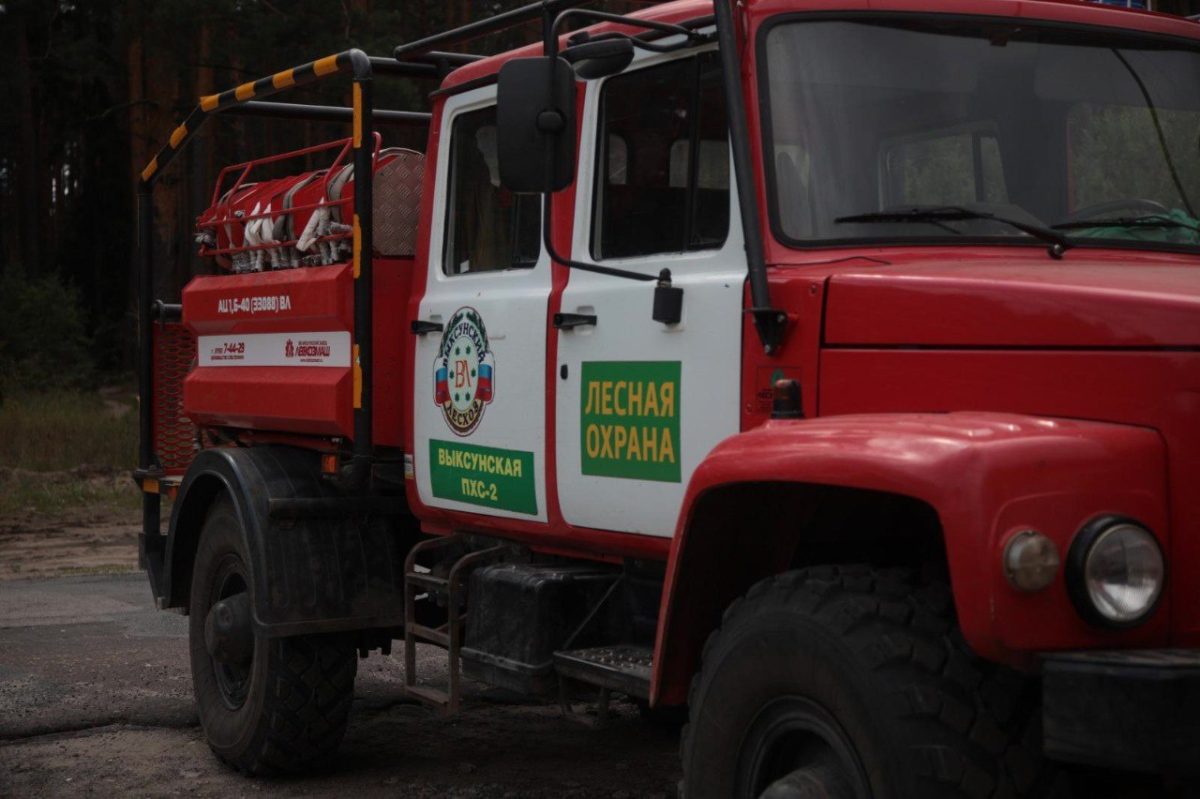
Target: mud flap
(321,561)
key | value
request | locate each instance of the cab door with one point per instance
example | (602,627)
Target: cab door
(639,404)
(479,370)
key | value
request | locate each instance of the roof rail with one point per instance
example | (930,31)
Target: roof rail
(415,50)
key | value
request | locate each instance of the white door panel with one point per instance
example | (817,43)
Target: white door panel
(479,404)
(706,405)
(643,403)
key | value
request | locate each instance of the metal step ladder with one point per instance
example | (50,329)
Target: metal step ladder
(450,634)
(624,668)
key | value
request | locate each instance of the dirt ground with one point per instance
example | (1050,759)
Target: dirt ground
(95,700)
(74,541)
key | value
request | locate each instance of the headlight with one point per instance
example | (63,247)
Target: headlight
(1115,572)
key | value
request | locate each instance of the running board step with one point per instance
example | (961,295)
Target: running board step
(624,668)
(449,635)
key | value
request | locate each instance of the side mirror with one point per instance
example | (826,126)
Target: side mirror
(535,124)
(599,59)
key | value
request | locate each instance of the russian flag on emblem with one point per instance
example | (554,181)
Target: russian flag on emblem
(441,391)
(484,392)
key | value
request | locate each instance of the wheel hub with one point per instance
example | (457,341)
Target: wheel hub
(229,630)
(796,749)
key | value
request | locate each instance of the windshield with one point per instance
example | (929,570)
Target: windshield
(872,124)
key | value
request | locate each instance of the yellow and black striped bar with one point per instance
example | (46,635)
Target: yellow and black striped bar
(361,67)
(355,61)
(363,225)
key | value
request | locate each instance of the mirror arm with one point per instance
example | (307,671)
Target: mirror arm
(550,47)
(567,262)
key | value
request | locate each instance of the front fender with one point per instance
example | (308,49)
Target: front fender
(985,475)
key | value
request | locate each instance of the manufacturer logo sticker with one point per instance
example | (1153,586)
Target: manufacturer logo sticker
(318,348)
(464,372)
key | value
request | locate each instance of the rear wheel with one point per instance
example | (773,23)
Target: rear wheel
(849,683)
(267,705)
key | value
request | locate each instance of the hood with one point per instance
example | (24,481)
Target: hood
(1017,299)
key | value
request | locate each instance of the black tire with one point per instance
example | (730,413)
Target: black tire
(853,682)
(286,708)
(667,718)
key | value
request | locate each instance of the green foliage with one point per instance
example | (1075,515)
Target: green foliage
(1116,154)
(43,343)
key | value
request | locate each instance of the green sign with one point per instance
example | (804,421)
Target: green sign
(494,478)
(629,420)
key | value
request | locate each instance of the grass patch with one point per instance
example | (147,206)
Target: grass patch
(55,492)
(65,450)
(63,430)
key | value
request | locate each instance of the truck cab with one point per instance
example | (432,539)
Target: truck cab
(828,370)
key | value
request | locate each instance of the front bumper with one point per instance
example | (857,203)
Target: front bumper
(1133,709)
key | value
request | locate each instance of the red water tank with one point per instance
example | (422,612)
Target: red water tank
(274,343)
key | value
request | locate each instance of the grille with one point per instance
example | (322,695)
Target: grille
(174,433)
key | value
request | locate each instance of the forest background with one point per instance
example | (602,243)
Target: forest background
(90,91)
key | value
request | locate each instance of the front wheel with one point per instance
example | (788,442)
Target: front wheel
(267,705)
(851,683)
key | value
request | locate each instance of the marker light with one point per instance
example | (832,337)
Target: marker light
(786,403)
(1030,561)
(1116,572)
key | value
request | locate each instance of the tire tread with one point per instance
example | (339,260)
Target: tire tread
(306,713)
(970,726)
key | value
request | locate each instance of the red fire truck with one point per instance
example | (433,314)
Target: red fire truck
(830,368)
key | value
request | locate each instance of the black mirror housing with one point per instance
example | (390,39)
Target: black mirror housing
(599,58)
(535,125)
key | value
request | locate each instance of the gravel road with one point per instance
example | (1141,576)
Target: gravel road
(95,700)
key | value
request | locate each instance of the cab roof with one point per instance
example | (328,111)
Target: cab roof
(681,11)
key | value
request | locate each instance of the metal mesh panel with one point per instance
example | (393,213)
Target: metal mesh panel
(397,191)
(174,433)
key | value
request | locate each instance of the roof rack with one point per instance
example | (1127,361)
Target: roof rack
(544,11)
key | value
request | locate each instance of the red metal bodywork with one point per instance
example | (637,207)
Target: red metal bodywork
(1001,387)
(295,399)
(987,476)
(1110,336)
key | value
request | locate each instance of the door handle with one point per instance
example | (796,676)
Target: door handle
(420,327)
(566,321)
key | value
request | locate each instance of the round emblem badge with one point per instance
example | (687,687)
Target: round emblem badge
(463,372)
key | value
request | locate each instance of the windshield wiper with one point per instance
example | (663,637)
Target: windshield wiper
(951,213)
(1147,221)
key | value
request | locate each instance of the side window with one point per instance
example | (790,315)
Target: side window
(947,168)
(487,227)
(663,168)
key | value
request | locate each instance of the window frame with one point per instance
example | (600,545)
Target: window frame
(600,167)
(765,142)
(978,130)
(443,265)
